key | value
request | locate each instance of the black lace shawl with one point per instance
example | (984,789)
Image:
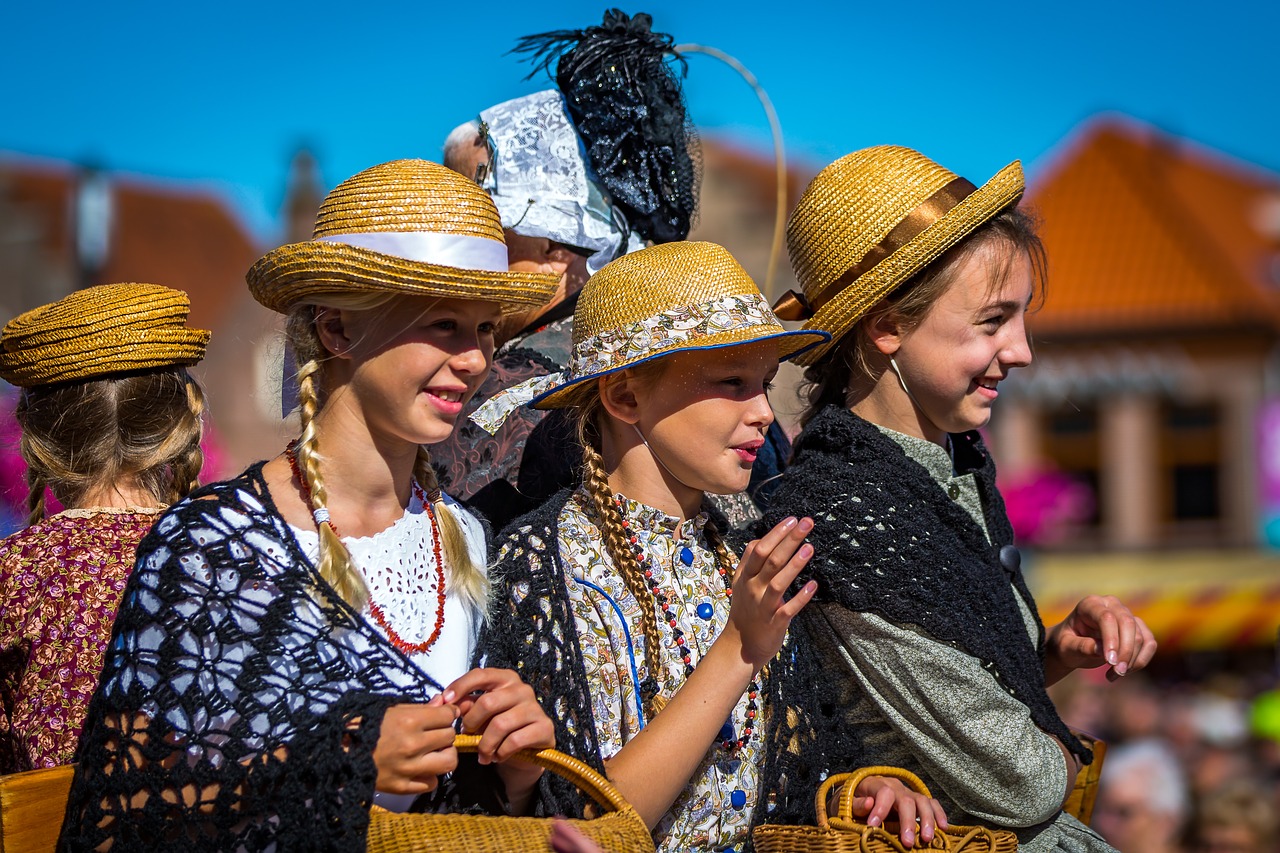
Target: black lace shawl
(240,698)
(531,629)
(889,541)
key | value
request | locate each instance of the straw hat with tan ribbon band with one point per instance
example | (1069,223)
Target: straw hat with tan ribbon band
(668,298)
(100,331)
(872,220)
(405,227)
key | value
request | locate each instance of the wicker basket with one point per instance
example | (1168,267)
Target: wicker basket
(618,830)
(1080,801)
(842,833)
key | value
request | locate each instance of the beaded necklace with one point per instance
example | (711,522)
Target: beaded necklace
(727,736)
(321,516)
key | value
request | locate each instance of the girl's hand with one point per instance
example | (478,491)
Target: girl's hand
(502,709)
(1100,631)
(876,796)
(415,746)
(759,614)
(566,839)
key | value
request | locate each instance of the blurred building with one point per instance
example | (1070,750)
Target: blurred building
(1156,367)
(63,227)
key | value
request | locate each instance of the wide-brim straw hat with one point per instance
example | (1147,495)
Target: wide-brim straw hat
(408,227)
(869,222)
(98,332)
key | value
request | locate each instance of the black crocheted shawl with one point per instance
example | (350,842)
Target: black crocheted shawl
(240,700)
(531,630)
(889,541)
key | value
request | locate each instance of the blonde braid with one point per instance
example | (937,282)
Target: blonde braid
(335,565)
(467,578)
(724,557)
(35,495)
(608,520)
(186,467)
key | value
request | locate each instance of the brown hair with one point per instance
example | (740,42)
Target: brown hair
(82,436)
(830,380)
(603,511)
(335,565)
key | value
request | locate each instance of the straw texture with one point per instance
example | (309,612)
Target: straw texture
(619,830)
(849,224)
(404,196)
(99,331)
(843,833)
(637,306)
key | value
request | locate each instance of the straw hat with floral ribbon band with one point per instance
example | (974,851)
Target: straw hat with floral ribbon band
(872,220)
(405,227)
(668,298)
(100,331)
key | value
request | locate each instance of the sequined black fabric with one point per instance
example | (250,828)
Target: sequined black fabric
(240,700)
(889,541)
(625,99)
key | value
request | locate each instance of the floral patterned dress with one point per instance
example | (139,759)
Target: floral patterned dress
(60,585)
(714,812)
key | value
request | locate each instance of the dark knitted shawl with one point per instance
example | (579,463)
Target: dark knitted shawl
(236,672)
(531,630)
(889,541)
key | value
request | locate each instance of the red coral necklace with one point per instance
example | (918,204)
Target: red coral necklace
(374,609)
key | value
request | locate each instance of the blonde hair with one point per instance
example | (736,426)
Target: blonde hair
(336,565)
(602,509)
(80,437)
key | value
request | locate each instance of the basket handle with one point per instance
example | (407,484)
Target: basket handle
(590,782)
(844,805)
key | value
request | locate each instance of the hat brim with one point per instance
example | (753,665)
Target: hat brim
(112,352)
(790,345)
(839,315)
(287,275)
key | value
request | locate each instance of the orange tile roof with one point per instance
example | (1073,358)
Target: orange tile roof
(1149,233)
(177,237)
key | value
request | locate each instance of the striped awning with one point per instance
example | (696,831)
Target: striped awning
(1192,600)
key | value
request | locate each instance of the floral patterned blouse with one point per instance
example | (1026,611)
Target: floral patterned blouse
(60,585)
(714,811)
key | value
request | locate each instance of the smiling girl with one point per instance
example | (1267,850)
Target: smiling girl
(640,630)
(295,642)
(923,648)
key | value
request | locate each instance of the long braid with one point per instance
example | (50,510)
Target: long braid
(35,495)
(466,577)
(335,565)
(185,470)
(605,515)
(724,557)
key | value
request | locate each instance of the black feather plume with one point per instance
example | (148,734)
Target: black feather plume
(625,99)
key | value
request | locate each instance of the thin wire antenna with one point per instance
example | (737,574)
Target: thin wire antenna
(779,154)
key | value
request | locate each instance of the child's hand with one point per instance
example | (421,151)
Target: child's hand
(498,706)
(759,613)
(876,796)
(1100,631)
(415,746)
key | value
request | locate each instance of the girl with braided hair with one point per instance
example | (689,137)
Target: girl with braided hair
(110,423)
(642,632)
(295,643)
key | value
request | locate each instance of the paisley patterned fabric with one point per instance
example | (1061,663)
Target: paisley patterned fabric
(60,584)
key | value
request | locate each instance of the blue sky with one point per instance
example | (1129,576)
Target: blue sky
(222,93)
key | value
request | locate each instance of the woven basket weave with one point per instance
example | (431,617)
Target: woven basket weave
(619,830)
(843,833)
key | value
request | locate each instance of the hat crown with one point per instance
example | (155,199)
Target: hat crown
(658,279)
(408,196)
(852,205)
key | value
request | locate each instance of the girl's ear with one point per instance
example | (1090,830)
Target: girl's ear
(332,331)
(618,394)
(885,332)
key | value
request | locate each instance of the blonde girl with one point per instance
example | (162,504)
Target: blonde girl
(110,423)
(640,628)
(295,642)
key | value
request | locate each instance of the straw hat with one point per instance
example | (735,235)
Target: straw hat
(872,220)
(668,298)
(405,227)
(99,331)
